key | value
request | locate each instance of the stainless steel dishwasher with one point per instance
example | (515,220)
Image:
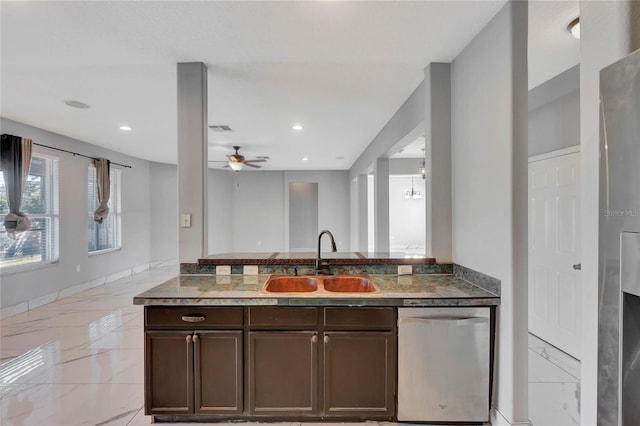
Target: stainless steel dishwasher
(443,364)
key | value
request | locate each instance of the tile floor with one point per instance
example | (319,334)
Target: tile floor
(554,385)
(79,361)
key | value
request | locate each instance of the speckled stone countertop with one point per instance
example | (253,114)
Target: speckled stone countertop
(241,290)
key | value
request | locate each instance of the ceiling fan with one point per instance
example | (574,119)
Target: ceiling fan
(237,161)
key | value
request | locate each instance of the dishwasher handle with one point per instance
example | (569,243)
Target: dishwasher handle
(459,321)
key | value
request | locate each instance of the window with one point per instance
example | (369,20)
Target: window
(106,235)
(40,202)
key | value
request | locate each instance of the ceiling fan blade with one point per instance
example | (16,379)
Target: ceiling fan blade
(255,161)
(251,165)
(226,166)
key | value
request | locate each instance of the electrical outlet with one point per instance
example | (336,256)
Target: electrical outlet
(405,269)
(250,270)
(185,220)
(223,270)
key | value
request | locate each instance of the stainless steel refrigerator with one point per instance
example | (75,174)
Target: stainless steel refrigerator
(619,246)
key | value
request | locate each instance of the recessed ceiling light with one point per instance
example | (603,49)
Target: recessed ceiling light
(297,127)
(125,128)
(77,104)
(305,158)
(574,28)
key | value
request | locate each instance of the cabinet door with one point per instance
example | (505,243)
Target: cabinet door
(359,374)
(168,372)
(218,372)
(283,373)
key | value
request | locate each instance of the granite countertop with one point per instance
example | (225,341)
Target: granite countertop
(240,290)
(293,258)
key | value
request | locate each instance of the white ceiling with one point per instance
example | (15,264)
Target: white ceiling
(341,69)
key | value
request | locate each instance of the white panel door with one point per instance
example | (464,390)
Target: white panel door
(554,249)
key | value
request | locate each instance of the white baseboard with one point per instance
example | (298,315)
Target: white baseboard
(498,419)
(19,308)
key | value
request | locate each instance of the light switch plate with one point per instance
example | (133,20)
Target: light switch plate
(185,220)
(223,270)
(405,270)
(250,270)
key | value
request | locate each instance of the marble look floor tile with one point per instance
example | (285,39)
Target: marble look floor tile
(121,338)
(543,371)
(554,404)
(9,331)
(99,303)
(536,342)
(48,365)
(135,321)
(66,404)
(104,319)
(561,359)
(63,337)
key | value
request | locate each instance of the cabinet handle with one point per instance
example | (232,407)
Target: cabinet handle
(193,318)
(195,338)
(326,338)
(189,338)
(314,338)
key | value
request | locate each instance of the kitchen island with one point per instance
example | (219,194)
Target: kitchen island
(222,347)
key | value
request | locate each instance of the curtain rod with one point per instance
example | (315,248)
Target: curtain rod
(81,155)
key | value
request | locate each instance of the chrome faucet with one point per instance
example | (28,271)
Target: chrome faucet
(320,264)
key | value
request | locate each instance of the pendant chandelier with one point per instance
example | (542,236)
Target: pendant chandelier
(412,194)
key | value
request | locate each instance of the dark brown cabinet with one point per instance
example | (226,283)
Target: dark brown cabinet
(168,372)
(283,373)
(193,371)
(218,372)
(342,368)
(359,374)
(271,362)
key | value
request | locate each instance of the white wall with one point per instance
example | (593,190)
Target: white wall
(258,212)
(406,217)
(249,210)
(609,31)
(489,162)
(220,212)
(136,226)
(163,187)
(333,203)
(554,113)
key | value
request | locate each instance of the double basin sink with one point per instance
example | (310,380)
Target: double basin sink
(319,284)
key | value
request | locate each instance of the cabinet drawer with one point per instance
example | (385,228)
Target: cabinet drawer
(194,317)
(283,318)
(359,318)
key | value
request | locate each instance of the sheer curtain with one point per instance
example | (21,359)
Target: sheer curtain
(15,160)
(104,188)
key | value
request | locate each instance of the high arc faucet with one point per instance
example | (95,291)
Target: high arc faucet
(320,264)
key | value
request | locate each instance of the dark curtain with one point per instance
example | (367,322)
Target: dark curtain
(103,184)
(15,160)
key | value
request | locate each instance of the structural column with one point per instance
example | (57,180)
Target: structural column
(381,204)
(192,161)
(362,218)
(437,86)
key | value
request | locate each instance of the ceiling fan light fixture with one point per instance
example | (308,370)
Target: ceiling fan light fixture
(574,28)
(236,167)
